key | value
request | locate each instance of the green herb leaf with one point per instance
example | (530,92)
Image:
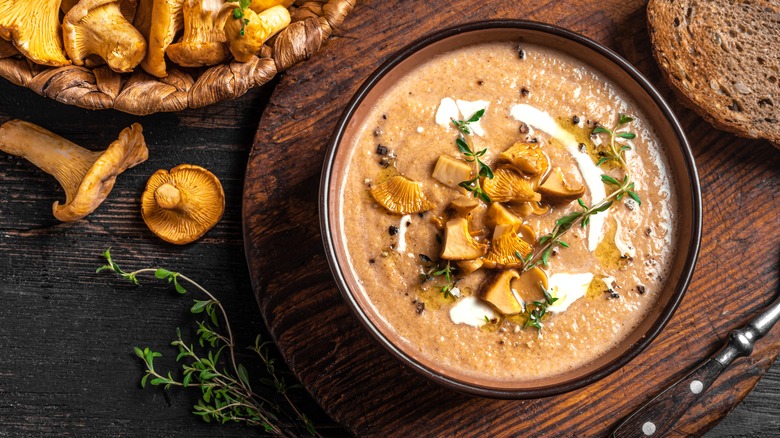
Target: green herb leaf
(476,116)
(623,119)
(609,180)
(627,135)
(600,129)
(635,197)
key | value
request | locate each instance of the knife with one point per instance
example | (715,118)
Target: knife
(656,417)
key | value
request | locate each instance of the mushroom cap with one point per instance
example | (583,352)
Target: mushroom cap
(98,27)
(180,206)
(34,29)
(125,152)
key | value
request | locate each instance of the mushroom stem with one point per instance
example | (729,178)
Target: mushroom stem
(64,160)
(87,177)
(169,197)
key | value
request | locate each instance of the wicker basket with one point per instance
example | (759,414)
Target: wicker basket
(139,93)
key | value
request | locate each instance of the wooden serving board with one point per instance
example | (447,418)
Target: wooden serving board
(369,392)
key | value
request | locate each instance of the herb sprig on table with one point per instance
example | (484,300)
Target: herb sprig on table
(482,170)
(614,153)
(226,392)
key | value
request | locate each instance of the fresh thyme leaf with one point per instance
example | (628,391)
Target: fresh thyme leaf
(582,203)
(463,147)
(603,207)
(602,160)
(609,180)
(634,196)
(623,119)
(599,129)
(224,385)
(482,170)
(627,135)
(625,147)
(476,116)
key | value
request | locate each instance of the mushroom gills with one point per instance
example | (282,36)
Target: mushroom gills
(458,243)
(401,195)
(508,185)
(451,171)
(505,248)
(498,292)
(556,190)
(182,205)
(34,29)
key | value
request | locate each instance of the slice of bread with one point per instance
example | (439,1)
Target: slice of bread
(722,57)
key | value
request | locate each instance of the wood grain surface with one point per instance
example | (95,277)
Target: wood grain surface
(370,393)
(66,333)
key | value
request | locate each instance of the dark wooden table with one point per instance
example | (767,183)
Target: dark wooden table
(66,333)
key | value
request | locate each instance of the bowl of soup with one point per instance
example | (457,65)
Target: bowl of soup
(510,209)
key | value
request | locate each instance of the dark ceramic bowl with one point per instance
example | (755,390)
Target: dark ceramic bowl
(609,64)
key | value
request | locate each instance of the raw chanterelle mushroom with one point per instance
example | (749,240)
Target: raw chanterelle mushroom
(247,34)
(203,42)
(128,7)
(97,27)
(180,206)
(158,21)
(34,28)
(86,176)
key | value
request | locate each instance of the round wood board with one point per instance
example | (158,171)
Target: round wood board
(369,392)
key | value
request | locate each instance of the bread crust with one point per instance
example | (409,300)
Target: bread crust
(710,55)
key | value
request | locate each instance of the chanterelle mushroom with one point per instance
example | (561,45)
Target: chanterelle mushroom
(203,42)
(97,27)
(128,7)
(158,21)
(262,5)
(34,28)
(86,176)
(180,206)
(248,33)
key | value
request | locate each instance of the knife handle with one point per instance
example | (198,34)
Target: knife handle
(660,414)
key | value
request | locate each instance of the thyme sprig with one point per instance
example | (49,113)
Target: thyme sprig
(226,393)
(238,14)
(482,170)
(615,153)
(439,269)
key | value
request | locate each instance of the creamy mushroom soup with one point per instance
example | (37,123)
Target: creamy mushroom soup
(464,204)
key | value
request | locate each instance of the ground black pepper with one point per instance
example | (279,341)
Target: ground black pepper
(393,230)
(575,120)
(524,91)
(381,150)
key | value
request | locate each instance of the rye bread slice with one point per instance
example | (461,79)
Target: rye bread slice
(722,58)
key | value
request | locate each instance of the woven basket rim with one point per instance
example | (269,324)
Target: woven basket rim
(139,93)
